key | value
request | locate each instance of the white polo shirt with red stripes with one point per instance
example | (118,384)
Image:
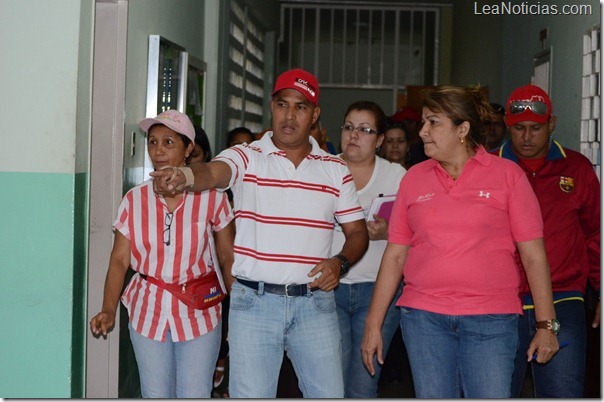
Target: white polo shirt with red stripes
(284,215)
(143,218)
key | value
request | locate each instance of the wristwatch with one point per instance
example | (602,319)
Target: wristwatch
(344,264)
(552,325)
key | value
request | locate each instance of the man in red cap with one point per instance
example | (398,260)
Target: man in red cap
(568,191)
(288,193)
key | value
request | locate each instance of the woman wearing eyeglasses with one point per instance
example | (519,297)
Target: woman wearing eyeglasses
(457,222)
(167,240)
(362,133)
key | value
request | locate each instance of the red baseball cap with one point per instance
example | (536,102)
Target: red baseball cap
(300,80)
(406,113)
(528,103)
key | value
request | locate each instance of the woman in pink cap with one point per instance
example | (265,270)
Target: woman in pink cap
(167,240)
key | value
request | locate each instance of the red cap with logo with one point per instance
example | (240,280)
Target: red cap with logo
(300,80)
(528,103)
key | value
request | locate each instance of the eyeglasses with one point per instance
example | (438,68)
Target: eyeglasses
(348,129)
(168,222)
(535,107)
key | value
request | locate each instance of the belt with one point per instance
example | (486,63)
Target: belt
(283,290)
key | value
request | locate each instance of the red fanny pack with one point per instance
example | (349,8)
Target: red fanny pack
(199,293)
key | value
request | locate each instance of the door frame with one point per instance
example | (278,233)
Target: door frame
(106,182)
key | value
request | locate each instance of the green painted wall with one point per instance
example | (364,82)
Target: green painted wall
(47,70)
(476,49)
(36,245)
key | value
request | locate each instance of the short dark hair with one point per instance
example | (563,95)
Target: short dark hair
(239,130)
(498,109)
(201,138)
(397,124)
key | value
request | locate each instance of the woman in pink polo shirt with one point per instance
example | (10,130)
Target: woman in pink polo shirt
(458,219)
(168,240)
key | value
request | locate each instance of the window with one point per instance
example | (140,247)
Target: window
(245,91)
(590,106)
(361,46)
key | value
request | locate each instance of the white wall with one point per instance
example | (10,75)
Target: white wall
(39,70)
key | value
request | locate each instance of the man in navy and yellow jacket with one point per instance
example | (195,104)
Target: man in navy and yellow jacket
(568,191)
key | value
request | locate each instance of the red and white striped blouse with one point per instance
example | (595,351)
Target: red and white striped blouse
(144,219)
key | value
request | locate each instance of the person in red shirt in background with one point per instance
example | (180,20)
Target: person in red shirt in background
(568,191)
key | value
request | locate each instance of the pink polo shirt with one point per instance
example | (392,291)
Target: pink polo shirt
(463,235)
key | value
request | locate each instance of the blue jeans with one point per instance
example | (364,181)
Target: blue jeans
(263,325)
(352,303)
(176,369)
(469,356)
(563,376)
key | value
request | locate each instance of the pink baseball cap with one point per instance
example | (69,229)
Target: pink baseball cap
(172,119)
(300,80)
(528,103)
